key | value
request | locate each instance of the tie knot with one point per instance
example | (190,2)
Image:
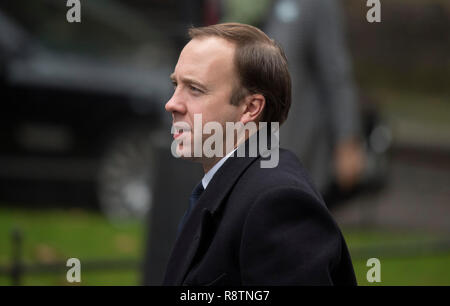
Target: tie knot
(197,191)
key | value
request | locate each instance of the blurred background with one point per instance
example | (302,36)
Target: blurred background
(85,163)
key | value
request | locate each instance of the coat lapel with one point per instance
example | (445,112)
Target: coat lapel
(201,218)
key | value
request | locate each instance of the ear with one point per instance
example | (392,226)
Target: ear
(253,107)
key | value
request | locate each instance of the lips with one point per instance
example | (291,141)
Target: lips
(177,134)
(179,129)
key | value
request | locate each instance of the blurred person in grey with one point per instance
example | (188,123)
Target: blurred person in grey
(323,127)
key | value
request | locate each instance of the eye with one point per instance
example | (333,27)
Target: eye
(195,89)
(174,84)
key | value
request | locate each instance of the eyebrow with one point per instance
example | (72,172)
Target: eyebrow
(189,81)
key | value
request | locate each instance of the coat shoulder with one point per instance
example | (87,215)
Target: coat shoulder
(289,173)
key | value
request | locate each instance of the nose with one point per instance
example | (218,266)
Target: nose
(176,103)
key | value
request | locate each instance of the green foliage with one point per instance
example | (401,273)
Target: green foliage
(407,258)
(431,270)
(52,236)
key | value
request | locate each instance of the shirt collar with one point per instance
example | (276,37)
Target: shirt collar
(209,175)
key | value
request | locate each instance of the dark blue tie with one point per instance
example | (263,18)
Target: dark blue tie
(193,199)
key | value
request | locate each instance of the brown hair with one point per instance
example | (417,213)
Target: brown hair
(260,64)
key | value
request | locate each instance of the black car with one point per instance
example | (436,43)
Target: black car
(83,103)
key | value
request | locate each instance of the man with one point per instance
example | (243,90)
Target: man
(247,224)
(324,130)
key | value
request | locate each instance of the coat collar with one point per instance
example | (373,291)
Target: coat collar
(209,203)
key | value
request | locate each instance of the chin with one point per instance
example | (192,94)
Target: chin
(186,153)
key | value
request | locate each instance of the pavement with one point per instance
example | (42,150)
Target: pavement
(417,196)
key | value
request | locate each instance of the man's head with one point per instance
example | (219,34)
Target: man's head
(230,73)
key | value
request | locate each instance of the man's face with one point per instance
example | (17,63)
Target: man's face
(203,79)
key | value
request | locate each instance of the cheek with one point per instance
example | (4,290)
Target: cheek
(231,113)
(220,115)
(194,109)
(217,109)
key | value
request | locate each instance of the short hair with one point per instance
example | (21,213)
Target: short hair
(261,66)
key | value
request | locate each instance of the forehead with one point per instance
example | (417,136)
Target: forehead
(208,59)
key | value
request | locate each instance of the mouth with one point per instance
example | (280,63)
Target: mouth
(177,134)
(179,130)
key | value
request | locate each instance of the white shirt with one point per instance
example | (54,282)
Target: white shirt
(209,175)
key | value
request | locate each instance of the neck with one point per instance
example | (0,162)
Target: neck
(209,163)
